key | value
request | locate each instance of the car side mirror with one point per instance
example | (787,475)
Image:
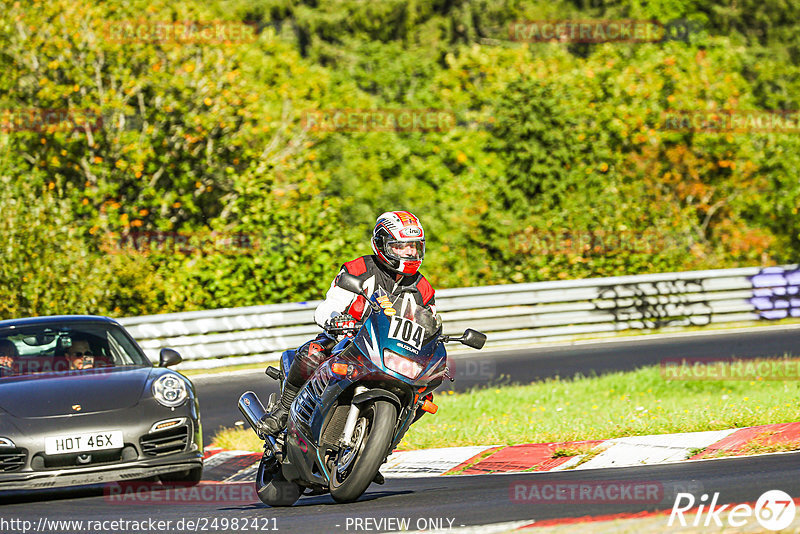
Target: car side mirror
(168,357)
(473,338)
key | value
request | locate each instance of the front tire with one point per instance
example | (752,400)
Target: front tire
(351,473)
(271,486)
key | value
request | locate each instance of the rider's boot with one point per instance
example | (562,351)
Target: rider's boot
(275,421)
(308,357)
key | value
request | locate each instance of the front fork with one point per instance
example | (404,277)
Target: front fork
(352,419)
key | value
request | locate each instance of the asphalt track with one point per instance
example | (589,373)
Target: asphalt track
(456,501)
(219,394)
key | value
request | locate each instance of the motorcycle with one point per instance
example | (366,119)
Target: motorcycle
(357,406)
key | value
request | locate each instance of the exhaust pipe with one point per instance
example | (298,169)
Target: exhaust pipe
(251,409)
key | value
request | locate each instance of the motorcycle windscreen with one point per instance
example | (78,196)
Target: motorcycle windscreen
(408,336)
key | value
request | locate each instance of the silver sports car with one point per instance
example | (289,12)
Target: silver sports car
(80,403)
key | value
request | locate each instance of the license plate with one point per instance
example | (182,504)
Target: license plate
(95,441)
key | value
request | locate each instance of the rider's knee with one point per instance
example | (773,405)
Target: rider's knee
(311,355)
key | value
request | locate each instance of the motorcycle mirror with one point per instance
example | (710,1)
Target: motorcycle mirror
(350,283)
(473,338)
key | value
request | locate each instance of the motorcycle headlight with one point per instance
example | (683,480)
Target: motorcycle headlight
(401,364)
(170,391)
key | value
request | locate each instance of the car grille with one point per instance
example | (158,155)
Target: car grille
(12,460)
(309,397)
(164,442)
(77,460)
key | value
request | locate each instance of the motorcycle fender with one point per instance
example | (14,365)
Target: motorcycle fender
(378,393)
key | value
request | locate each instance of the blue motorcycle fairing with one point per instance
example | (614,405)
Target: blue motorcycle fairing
(340,346)
(373,338)
(287,357)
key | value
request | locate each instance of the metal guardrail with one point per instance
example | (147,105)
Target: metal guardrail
(509,314)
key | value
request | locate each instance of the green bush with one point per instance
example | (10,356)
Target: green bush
(557,164)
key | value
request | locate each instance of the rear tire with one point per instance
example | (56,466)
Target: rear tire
(380,418)
(272,488)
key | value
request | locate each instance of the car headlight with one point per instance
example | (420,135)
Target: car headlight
(6,442)
(170,391)
(401,364)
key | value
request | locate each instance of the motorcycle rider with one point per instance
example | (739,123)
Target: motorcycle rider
(398,243)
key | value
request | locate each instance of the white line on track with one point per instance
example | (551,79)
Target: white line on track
(491,528)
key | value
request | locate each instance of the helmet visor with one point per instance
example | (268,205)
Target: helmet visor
(406,250)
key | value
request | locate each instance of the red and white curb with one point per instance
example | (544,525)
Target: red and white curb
(220,465)
(629,451)
(233,466)
(427,462)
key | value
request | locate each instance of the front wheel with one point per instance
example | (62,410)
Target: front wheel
(272,488)
(354,468)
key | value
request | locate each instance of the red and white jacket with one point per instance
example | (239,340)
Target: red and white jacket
(373,275)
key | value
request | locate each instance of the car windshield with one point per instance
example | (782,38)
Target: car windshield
(71,346)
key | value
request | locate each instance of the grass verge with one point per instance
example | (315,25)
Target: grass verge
(614,405)
(586,456)
(238,439)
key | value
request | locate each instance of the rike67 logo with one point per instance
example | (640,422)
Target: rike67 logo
(774,510)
